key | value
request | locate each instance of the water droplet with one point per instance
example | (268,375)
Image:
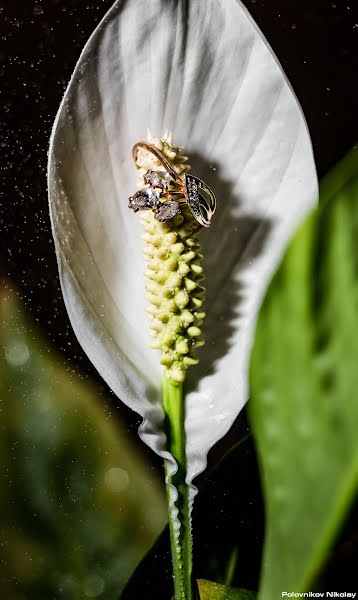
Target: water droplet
(17,353)
(117,479)
(38,10)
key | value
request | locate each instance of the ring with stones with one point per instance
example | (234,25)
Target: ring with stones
(167,190)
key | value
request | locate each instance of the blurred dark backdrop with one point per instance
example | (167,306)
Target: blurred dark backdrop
(317,44)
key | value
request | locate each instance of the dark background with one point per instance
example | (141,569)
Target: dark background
(317,44)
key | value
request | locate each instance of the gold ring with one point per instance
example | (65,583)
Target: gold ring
(165,203)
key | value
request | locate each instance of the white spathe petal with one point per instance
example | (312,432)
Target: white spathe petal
(204,71)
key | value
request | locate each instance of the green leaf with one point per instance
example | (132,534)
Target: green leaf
(214,591)
(304,381)
(78,506)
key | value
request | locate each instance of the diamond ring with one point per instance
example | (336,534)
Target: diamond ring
(167,190)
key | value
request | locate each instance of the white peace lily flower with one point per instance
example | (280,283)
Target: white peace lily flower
(204,71)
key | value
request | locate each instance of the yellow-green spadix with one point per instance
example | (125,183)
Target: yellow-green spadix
(174,272)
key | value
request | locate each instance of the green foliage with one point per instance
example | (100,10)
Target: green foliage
(78,508)
(214,591)
(304,381)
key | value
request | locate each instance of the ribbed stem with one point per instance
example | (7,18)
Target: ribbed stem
(181,544)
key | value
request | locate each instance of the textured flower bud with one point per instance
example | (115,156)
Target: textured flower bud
(174,272)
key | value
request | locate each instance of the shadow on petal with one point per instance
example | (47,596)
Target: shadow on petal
(233,239)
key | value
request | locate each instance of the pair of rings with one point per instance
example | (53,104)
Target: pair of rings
(165,202)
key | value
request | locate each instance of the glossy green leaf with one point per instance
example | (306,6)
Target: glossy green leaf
(304,382)
(78,507)
(214,591)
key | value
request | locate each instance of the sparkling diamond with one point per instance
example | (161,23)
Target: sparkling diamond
(158,179)
(144,199)
(167,210)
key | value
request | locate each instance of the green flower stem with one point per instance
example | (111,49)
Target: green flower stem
(174,407)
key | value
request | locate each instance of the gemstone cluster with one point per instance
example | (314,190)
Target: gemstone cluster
(157,197)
